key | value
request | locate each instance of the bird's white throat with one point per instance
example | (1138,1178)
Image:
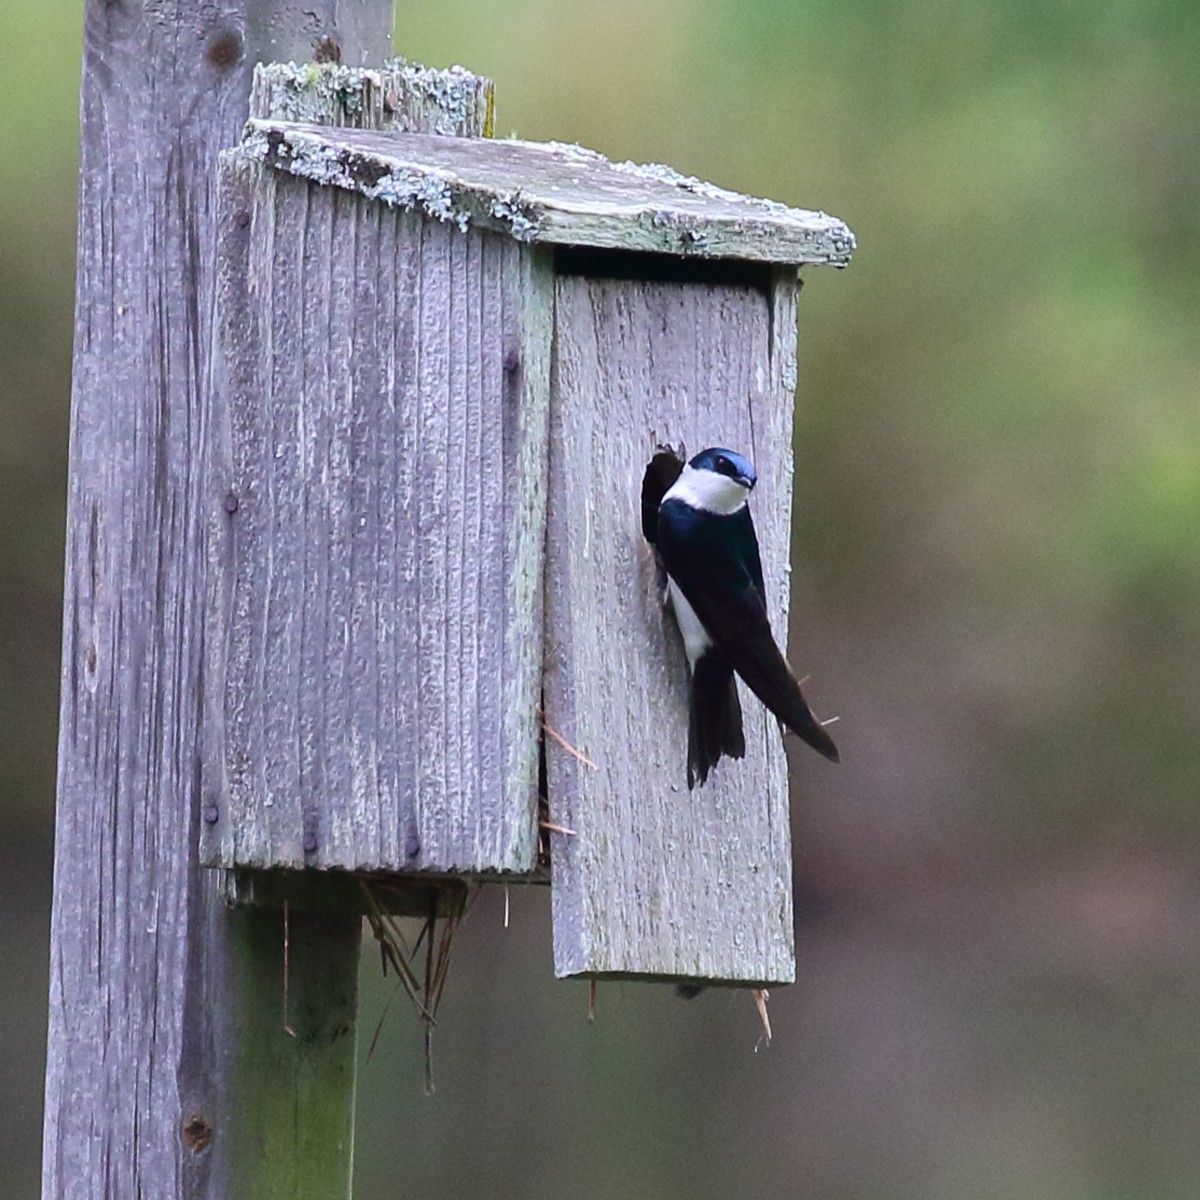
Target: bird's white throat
(708,490)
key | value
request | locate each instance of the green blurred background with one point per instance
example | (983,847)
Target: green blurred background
(997,580)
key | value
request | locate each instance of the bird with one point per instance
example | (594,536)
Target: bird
(697,518)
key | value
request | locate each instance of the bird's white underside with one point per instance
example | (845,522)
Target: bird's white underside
(708,490)
(695,637)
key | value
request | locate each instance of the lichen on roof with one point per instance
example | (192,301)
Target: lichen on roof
(311,158)
(452,92)
(398,95)
(551,193)
(312,91)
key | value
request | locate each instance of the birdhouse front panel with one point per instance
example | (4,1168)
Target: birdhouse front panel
(377,466)
(656,878)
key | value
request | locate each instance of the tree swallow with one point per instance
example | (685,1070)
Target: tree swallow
(697,518)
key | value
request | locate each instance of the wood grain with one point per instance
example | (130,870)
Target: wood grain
(660,881)
(378,511)
(142,1051)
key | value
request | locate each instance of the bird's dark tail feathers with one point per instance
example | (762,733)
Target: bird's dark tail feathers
(714,717)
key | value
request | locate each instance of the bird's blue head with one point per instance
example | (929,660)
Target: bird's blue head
(716,481)
(728,463)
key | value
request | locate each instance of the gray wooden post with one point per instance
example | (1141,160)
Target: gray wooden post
(150,975)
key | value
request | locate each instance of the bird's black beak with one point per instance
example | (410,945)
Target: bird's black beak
(747,482)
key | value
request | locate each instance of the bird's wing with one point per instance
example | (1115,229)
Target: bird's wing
(725,588)
(754,563)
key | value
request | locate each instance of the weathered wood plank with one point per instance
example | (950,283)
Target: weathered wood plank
(142,1051)
(660,881)
(551,193)
(401,96)
(381,426)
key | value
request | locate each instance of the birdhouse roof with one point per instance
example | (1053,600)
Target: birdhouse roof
(550,193)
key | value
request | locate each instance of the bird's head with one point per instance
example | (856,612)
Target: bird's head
(716,480)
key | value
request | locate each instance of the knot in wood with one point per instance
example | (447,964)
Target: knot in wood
(327,50)
(197,1133)
(224,50)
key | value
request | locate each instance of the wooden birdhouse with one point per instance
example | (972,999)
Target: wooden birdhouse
(444,363)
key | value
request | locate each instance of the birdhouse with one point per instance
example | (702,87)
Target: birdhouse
(437,638)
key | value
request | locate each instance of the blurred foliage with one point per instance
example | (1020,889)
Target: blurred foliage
(997,500)
(38,186)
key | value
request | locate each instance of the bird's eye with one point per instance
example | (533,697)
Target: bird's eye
(724,466)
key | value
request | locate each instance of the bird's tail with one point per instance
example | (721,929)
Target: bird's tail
(806,727)
(714,717)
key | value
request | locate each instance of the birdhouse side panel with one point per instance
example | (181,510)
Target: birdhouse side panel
(379,449)
(656,879)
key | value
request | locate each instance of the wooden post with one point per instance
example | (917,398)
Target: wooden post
(150,975)
(290,1090)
